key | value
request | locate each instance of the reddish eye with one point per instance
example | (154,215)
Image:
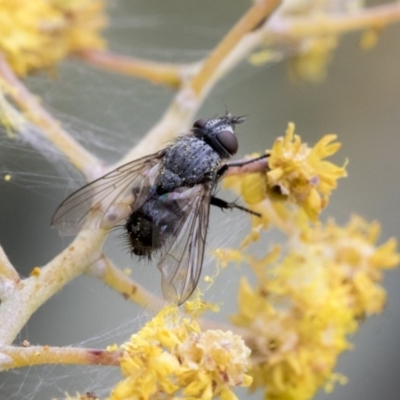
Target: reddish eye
(228,141)
(200,123)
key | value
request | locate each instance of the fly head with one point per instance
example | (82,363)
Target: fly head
(219,133)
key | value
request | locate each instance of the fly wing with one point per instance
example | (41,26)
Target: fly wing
(182,259)
(109,199)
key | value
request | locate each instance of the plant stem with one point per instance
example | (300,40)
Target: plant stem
(118,280)
(18,357)
(256,14)
(300,27)
(156,72)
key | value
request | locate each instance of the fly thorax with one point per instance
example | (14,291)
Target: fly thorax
(190,161)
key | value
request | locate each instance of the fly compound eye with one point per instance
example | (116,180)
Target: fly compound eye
(228,141)
(201,123)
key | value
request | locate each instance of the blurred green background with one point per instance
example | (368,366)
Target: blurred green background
(359,100)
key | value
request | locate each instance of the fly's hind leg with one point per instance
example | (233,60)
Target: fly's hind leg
(224,205)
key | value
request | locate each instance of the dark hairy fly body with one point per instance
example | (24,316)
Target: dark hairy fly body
(163,201)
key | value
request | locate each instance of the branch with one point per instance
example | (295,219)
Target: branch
(38,288)
(281,28)
(260,10)
(18,357)
(118,280)
(300,27)
(51,129)
(156,72)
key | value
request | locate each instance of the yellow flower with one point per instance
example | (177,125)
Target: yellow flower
(306,303)
(37,34)
(171,358)
(298,176)
(301,174)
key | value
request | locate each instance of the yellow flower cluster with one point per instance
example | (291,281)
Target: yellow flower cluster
(306,303)
(170,358)
(37,34)
(301,173)
(297,175)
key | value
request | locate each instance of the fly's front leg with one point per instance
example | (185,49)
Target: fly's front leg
(240,164)
(224,205)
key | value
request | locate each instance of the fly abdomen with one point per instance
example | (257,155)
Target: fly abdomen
(140,231)
(150,227)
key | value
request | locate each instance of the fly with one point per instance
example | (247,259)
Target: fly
(163,200)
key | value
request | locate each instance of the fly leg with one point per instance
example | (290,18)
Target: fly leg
(240,164)
(224,205)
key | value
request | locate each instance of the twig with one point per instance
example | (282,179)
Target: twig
(300,27)
(281,28)
(256,14)
(51,129)
(156,72)
(105,270)
(17,357)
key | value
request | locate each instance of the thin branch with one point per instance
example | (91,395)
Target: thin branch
(300,27)
(260,10)
(18,357)
(167,74)
(51,129)
(114,277)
